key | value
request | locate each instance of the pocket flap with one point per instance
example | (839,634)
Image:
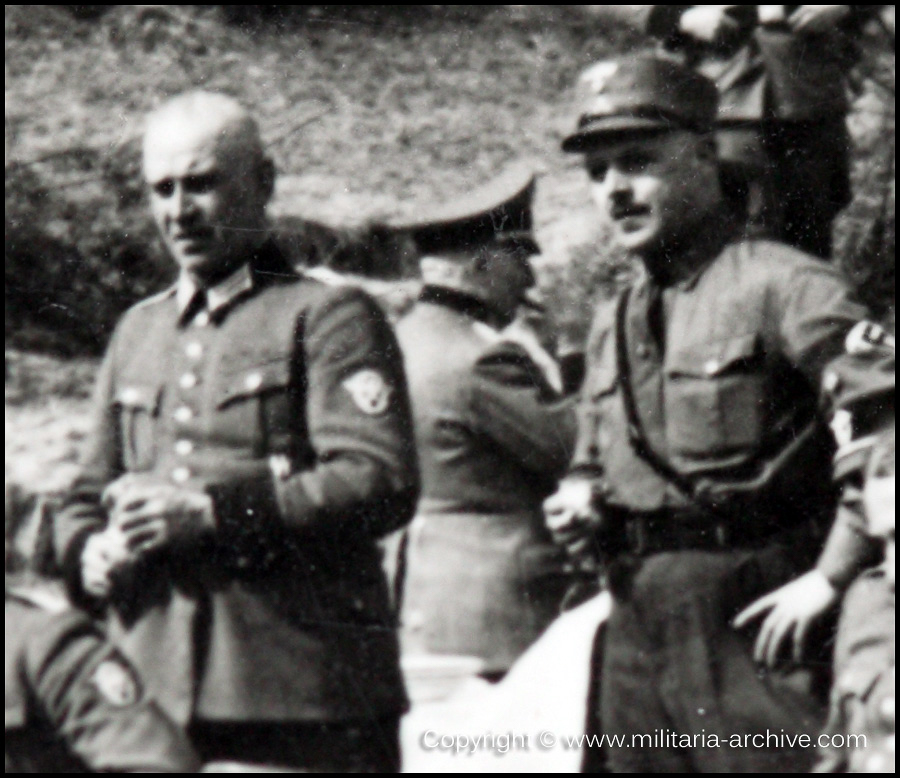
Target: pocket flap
(708,360)
(253,380)
(138,396)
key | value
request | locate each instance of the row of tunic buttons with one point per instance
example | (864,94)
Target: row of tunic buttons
(183,413)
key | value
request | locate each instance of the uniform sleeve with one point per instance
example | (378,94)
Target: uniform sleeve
(864,657)
(92,698)
(848,548)
(101,463)
(814,312)
(514,406)
(359,426)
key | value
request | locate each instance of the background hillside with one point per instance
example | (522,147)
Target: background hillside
(370,112)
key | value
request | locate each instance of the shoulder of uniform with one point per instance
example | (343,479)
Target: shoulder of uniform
(41,622)
(778,258)
(153,300)
(43,599)
(319,294)
(134,318)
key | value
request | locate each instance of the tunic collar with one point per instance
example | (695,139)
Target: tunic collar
(218,297)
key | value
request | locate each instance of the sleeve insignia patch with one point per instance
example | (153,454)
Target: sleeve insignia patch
(116,683)
(370,392)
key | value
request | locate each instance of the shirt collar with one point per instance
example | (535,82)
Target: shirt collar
(219,296)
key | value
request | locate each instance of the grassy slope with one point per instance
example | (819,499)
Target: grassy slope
(369,111)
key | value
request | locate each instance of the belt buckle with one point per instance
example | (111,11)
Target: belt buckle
(721,534)
(638,535)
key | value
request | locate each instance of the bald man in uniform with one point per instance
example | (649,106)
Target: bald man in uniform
(252,441)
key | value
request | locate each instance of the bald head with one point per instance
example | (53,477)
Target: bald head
(203,117)
(209,182)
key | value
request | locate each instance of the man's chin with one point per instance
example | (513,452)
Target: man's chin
(635,240)
(194,262)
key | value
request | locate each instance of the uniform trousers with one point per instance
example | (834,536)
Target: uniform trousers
(364,746)
(672,665)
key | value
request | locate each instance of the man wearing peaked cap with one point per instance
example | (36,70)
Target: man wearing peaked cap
(637,95)
(481,577)
(702,467)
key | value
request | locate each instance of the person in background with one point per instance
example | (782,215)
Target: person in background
(73,702)
(479,574)
(782,74)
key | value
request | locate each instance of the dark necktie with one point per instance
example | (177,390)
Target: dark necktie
(194,307)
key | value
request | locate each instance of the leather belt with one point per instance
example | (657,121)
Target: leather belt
(643,534)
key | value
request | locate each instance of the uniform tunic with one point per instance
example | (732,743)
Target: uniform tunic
(73,703)
(481,576)
(862,724)
(724,370)
(289,409)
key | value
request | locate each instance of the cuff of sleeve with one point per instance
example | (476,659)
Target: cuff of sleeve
(245,505)
(70,566)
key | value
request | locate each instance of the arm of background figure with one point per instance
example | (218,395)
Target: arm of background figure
(93,699)
(512,404)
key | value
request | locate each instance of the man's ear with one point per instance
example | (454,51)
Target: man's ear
(266,178)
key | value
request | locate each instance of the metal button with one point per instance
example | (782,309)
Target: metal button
(201,319)
(183,447)
(253,381)
(183,414)
(130,395)
(711,367)
(180,475)
(187,381)
(415,620)
(194,350)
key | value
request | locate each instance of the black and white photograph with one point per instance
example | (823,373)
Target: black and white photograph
(450,389)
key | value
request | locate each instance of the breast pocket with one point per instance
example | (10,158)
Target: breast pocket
(137,407)
(256,406)
(715,400)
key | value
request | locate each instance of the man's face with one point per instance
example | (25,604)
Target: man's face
(207,195)
(505,277)
(653,190)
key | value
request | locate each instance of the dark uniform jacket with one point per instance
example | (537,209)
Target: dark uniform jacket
(73,704)
(492,438)
(290,410)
